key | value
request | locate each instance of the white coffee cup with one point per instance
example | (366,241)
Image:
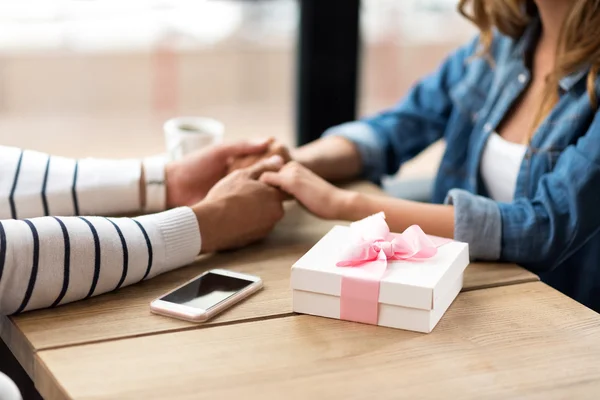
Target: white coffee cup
(184,135)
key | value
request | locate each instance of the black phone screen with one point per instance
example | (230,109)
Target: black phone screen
(207,291)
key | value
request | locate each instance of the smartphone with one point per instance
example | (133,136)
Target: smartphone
(206,295)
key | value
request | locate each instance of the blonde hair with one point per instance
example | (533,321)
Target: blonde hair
(578,45)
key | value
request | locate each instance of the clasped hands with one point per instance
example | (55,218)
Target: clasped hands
(237,190)
(296,181)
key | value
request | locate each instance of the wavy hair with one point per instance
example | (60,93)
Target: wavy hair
(578,44)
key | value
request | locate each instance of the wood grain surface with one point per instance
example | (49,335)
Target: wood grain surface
(126,312)
(522,341)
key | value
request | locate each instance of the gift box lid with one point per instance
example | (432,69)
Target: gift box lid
(415,284)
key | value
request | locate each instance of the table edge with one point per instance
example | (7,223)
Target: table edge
(45,382)
(18,344)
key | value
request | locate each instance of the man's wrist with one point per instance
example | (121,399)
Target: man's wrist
(142,189)
(208,215)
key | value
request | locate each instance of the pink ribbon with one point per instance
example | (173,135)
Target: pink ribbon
(372,246)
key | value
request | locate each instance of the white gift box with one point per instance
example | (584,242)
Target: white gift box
(413,295)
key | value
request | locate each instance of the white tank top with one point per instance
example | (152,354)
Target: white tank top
(500,164)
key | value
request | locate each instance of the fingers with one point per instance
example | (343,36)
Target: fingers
(236,163)
(247,147)
(276,180)
(287,179)
(270,164)
(272,178)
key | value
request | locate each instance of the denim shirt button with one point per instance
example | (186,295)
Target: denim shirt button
(522,78)
(487,127)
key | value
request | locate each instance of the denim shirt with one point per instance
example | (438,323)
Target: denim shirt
(552,225)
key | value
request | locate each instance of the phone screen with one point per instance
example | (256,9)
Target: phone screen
(207,291)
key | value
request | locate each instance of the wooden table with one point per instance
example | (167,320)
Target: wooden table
(126,313)
(523,341)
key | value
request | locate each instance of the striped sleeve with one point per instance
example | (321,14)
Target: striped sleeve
(49,261)
(34,184)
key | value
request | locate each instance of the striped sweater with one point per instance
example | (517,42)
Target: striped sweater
(46,261)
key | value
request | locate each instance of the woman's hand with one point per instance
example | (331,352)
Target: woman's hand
(317,195)
(274,148)
(189,180)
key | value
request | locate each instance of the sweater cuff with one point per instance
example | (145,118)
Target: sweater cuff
(477,221)
(181,237)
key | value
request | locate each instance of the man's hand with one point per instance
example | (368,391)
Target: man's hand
(188,180)
(274,149)
(239,209)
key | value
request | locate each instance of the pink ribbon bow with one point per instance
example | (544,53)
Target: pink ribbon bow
(372,246)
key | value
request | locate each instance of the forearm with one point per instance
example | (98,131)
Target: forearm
(50,261)
(333,158)
(434,219)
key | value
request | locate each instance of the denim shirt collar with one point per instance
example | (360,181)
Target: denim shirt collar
(527,43)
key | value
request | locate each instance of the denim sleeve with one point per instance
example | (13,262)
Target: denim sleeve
(540,232)
(388,139)
(477,221)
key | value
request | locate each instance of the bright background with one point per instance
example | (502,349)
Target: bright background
(74,74)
